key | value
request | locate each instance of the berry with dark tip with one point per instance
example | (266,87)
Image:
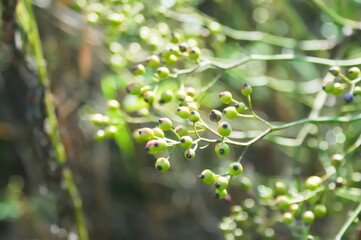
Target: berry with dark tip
(224,129)
(162,164)
(153,61)
(189,154)
(139,69)
(133,88)
(215,116)
(146,134)
(225,97)
(148,96)
(335,70)
(246,89)
(194,116)
(222,149)
(235,168)
(353,73)
(336,160)
(181,95)
(151,147)
(183,112)
(221,183)
(186,141)
(240,107)
(230,112)
(328,87)
(163,72)
(165,124)
(194,53)
(220,194)
(181,130)
(166,96)
(183,47)
(208,177)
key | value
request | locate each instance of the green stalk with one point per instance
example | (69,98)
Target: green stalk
(348,223)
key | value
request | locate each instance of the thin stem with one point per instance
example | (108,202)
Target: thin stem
(348,223)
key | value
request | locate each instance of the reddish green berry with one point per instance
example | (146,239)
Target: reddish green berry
(146,134)
(166,96)
(194,53)
(148,96)
(139,69)
(162,164)
(151,148)
(194,116)
(133,88)
(221,183)
(308,217)
(235,168)
(246,89)
(158,132)
(225,97)
(220,194)
(183,112)
(186,142)
(215,116)
(313,182)
(165,124)
(240,107)
(163,72)
(153,61)
(189,154)
(353,73)
(208,177)
(222,149)
(160,144)
(230,112)
(335,70)
(320,210)
(181,130)
(283,202)
(224,129)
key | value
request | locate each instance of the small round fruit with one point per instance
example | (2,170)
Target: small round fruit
(224,129)
(215,116)
(186,142)
(348,97)
(192,106)
(133,88)
(181,95)
(113,105)
(336,160)
(283,202)
(183,47)
(148,96)
(194,116)
(166,96)
(337,89)
(158,132)
(320,210)
(230,112)
(220,194)
(240,107)
(151,148)
(162,164)
(335,70)
(153,61)
(171,59)
(287,218)
(246,89)
(353,73)
(163,72)
(146,134)
(225,97)
(357,91)
(96,119)
(194,53)
(139,69)
(175,37)
(235,168)
(208,177)
(100,135)
(328,87)
(160,144)
(313,182)
(246,183)
(165,124)
(280,187)
(183,112)
(294,209)
(308,217)
(222,149)
(189,154)
(181,130)
(221,183)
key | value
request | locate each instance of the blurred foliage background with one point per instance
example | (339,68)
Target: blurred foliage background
(90,47)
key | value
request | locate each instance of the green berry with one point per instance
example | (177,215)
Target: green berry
(337,89)
(190,91)
(246,183)
(357,91)
(186,142)
(160,144)
(100,135)
(194,53)
(335,70)
(181,130)
(236,209)
(208,177)
(353,73)
(111,131)
(153,61)
(192,106)
(97,119)
(183,47)
(294,209)
(194,116)
(328,87)
(240,107)
(222,149)
(133,88)
(146,134)
(224,129)
(246,89)
(221,183)
(181,95)
(175,37)
(189,154)
(171,59)
(225,97)
(113,105)
(162,164)
(139,69)
(148,96)
(151,148)
(310,237)
(165,124)
(313,182)
(163,72)
(280,187)
(166,96)
(287,218)
(336,160)
(215,116)
(158,132)
(230,112)
(220,194)
(308,217)
(283,202)
(183,112)
(235,168)
(320,210)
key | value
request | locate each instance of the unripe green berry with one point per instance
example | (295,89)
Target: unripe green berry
(246,89)
(136,136)
(313,182)
(190,91)
(194,116)
(215,116)
(183,112)
(165,124)
(194,53)
(186,141)
(335,70)
(192,106)
(111,131)
(163,72)
(283,202)
(225,97)
(153,61)
(148,96)
(183,47)
(100,135)
(151,148)
(246,183)
(280,187)
(336,160)
(294,209)
(139,69)
(146,134)
(133,88)
(181,95)
(166,96)
(189,154)
(240,107)
(171,59)
(158,132)
(328,87)
(160,144)
(175,37)
(221,183)
(230,112)
(308,217)
(220,194)
(208,177)
(337,88)
(145,88)
(353,73)
(113,105)
(96,119)
(357,91)
(235,168)
(222,149)
(287,218)
(320,210)
(162,164)
(224,129)
(340,182)
(181,130)
(310,237)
